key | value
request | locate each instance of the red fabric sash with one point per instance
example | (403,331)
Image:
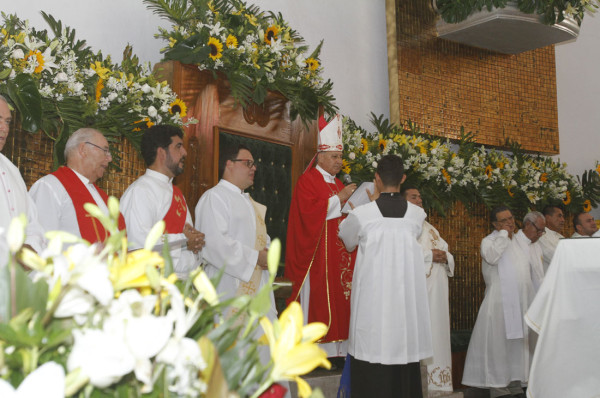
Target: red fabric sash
(175,217)
(89,228)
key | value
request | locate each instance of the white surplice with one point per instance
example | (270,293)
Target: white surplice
(565,313)
(389,319)
(14,200)
(145,202)
(439,368)
(493,360)
(548,243)
(55,207)
(226,216)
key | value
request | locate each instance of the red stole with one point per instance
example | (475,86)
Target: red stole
(175,217)
(313,246)
(89,228)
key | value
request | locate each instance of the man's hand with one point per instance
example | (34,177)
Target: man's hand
(262,259)
(195,238)
(345,193)
(439,256)
(509,228)
(375,195)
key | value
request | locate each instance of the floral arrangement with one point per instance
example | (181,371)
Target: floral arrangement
(99,321)
(551,11)
(256,51)
(59,85)
(446,172)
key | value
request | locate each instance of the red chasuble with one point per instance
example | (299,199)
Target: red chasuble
(89,228)
(175,217)
(313,245)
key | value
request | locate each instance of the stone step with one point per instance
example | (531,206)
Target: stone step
(329,382)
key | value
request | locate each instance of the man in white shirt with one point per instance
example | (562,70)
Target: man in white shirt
(584,224)
(60,196)
(153,197)
(439,265)
(390,328)
(555,222)
(500,349)
(14,199)
(234,226)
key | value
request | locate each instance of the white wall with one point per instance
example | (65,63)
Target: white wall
(354,53)
(578,86)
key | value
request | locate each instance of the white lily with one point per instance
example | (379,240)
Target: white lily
(46,381)
(15,235)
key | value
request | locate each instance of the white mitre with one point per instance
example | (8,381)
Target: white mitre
(330,137)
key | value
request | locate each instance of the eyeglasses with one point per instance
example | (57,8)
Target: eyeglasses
(249,162)
(105,150)
(505,220)
(540,231)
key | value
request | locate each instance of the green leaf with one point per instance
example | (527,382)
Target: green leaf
(24,93)
(28,294)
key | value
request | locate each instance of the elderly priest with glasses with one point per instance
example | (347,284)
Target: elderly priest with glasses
(60,196)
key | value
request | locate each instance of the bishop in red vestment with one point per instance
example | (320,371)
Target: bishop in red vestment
(317,262)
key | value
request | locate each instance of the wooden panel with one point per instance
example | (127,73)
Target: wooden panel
(209,100)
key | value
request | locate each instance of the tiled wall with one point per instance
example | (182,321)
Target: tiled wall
(444,86)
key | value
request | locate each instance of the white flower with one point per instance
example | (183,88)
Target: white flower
(61,77)
(16,233)
(374,164)
(152,112)
(352,155)
(18,54)
(102,357)
(112,96)
(46,381)
(215,30)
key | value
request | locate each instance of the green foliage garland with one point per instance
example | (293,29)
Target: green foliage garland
(446,173)
(257,51)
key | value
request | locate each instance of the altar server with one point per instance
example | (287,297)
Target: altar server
(389,322)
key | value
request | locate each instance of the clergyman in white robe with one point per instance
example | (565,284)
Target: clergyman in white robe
(499,353)
(14,200)
(227,217)
(439,367)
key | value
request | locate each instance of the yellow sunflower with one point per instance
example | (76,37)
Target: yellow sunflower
(271,33)
(345,167)
(99,87)
(510,193)
(567,198)
(178,106)
(382,144)
(446,176)
(216,48)
(488,171)
(587,206)
(312,64)
(500,165)
(544,177)
(598,169)
(364,146)
(231,41)
(39,58)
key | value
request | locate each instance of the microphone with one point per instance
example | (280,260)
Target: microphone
(347,179)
